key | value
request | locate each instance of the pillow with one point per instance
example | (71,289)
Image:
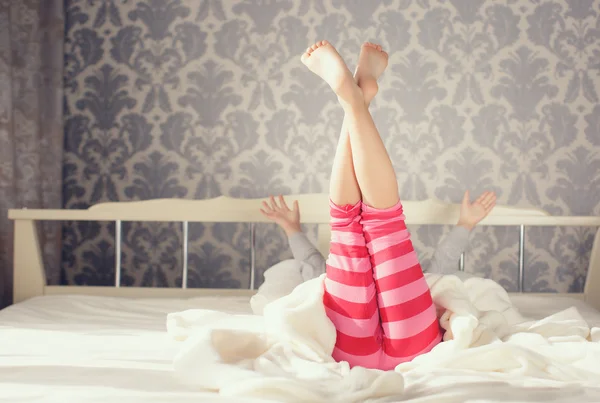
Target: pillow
(280,280)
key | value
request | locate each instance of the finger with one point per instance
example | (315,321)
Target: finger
(274,205)
(296,206)
(489,205)
(267,207)
(481,198)
(266,214)
(489,198)
(466,197)
(488,210)
(283,203)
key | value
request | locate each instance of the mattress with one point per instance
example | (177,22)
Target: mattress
(97,349)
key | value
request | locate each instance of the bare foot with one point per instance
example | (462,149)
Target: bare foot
(371,64)
(323,60)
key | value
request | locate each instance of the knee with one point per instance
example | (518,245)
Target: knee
(342,216)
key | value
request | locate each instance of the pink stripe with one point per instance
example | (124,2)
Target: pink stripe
(355,264)
(354,327)
(388,363)
(403,294)
(367,361)
(393,266)
(347,238)
(403,329)
(389,240)
(359,295)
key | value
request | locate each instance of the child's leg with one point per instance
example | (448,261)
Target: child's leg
(406,310)
(349,295)
(405,301)
(343,186)
(372,165)
(350,298)
(407,313)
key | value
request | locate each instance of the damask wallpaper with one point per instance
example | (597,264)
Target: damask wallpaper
(199,98)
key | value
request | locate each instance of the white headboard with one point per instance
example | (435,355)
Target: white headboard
(30,280)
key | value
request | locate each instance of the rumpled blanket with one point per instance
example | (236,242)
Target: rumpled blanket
(283,351)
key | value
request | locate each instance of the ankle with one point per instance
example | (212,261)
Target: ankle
(369,88)
(352,97)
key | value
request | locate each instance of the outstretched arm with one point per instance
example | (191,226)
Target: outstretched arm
(455,243)
(302,249)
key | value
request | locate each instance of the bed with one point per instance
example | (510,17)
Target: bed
(88,344)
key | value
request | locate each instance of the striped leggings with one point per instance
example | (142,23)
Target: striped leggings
(375,291)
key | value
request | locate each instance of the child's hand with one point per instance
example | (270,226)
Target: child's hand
(472,213)
(281,214)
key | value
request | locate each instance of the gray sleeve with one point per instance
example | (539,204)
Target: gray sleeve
(304,251)
(447,254)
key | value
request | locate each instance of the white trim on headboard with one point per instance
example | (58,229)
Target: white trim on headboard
(314,208)
(30,280)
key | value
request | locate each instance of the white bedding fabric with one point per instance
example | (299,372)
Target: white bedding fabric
(285,354)
(84,349)
(90,349)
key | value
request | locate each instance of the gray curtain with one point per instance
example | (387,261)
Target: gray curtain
(31,134)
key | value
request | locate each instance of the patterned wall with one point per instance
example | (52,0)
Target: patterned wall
(198,98)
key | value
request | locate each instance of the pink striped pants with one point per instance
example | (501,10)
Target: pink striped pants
(375,291)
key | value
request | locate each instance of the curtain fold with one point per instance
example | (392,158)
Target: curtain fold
(31,131)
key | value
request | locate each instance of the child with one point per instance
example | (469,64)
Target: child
(375,293)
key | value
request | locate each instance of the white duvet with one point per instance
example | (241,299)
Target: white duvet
(284,352)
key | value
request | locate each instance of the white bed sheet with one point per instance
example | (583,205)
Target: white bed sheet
(537,307)
(93,349)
